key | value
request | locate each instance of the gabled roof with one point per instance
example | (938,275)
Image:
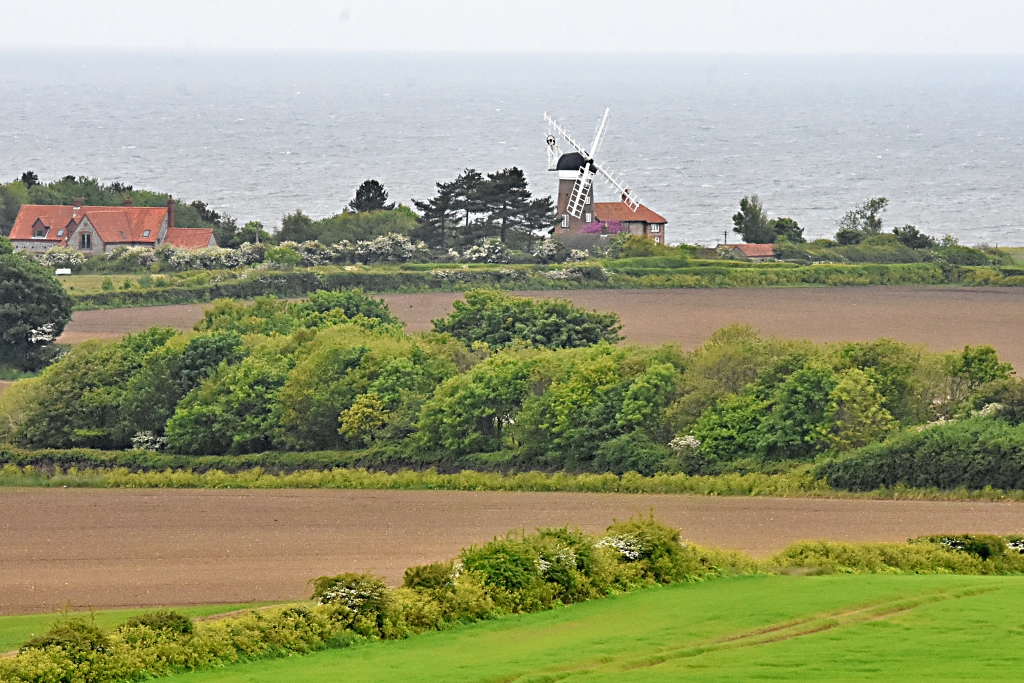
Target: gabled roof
(113,223)
(53,217)
(754,250)
(126,223)
(190,238)
(617,211)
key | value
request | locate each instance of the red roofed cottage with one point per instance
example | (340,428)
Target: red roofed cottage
(99,229)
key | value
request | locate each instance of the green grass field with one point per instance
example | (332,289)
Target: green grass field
(17,629)
(834,628)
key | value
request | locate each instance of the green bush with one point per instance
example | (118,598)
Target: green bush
(971,453)
(162,620)
(75,636)
(500,320)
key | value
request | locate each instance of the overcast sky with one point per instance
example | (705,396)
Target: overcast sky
(725,26)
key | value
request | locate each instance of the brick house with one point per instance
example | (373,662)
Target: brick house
(100,229)
(600,218)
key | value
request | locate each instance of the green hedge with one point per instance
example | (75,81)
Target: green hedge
(974,453)
(147,461)
(653,273)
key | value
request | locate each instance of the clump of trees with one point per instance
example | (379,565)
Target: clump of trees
(502,382)
(34,308)
(473,207)
(753,224)
(499,320)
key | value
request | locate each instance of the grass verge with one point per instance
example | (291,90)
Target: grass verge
(837,628)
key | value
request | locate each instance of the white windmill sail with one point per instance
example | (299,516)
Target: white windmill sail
(590,168)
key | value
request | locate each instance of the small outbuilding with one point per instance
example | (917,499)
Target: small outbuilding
(749,252)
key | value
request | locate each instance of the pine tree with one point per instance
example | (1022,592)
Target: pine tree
(371,196)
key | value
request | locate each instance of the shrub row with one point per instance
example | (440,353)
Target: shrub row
(519,573)
(515,574)
(798,482)
(973,453)
(300,282)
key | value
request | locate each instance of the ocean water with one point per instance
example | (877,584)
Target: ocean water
(259,135)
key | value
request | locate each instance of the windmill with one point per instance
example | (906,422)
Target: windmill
(579,168)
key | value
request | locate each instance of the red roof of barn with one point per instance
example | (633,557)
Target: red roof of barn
(617,211)
(755,250)
(189,238)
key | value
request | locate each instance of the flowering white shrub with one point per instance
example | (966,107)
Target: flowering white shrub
(548,250)
(576,255)
(249,253)
(390,248)
(684,444)
(562,274)
(148,441)
(61,257)
(492,250)
(627,545)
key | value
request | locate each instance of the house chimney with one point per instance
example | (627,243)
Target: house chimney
(128,201)
(170,212)
(78,202)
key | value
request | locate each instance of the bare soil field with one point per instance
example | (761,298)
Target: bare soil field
(112,548)
(942,318)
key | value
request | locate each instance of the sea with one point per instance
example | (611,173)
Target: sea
(261,134)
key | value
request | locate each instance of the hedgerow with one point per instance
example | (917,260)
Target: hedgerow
(517,573)
(660,274)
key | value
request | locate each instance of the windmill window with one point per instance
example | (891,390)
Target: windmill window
(565,221)
(590,218)
(86,241)
(145,233)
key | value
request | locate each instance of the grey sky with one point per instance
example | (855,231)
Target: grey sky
(732,26)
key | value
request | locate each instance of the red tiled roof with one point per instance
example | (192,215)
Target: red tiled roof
(617,211)
(113,223)
(53,217)
(189,238)
(755,250)
(126,223)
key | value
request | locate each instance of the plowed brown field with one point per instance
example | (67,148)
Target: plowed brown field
(110,548)
(942,318)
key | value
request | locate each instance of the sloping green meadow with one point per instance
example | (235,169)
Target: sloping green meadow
(835,628)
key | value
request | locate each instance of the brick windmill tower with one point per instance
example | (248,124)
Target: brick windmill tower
(576,172)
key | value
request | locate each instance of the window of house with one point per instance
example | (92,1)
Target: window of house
(145,233)
(39,232)
(60,233)
(86,241)
(565,221)
(655,228)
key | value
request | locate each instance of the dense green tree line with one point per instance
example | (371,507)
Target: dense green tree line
(501,382)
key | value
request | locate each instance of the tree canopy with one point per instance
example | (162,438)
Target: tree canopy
(473,207)
(751,221)
(370,196)
(863,221)
(34,308)
(500,320)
